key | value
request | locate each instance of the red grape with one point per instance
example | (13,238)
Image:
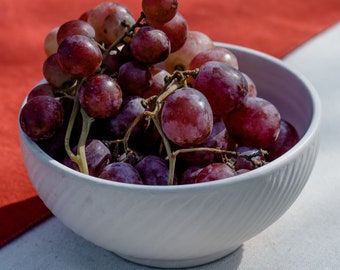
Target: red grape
(157,82)
(218,139)
(75,27)
(287,138)
(252,90)
(186,117)
(41,117)
(98,156)
(248,158)
(54,146)
(176,30)
(223,85)
(146,38)
(85,15)
(79,55)
(50,42)
(256,122)
(110,20)
(100,96)
(215,171)
(112,62)
(189,175)
(117,126)
(55,74)
(214,54)
(134,78)
(195,43)
(153,170)
(44,89)
(121,172)
(160,11)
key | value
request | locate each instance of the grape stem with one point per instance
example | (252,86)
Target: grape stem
(174,82)
(172,161)
(128,32)
(80,157)
(82,162)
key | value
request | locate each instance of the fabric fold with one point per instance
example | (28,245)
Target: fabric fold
(18,217)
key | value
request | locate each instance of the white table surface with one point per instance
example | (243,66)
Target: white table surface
(306,237)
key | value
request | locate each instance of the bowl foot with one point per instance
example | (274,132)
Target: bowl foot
(179,263)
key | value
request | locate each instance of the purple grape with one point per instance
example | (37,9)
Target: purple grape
(223,85)
(121,172)
(112,62)
(153,170)
(55,74)
(176,30)
(190,174)
(79,55)
(41,117)
(134,78)
(149,37)
(157,82)
(44,89)
(252,90)
(110,20)
(160,11)
(287,138)
(215,171)
(248,158)
(218,139)
(117,126)
(55,145)
(186,117)
(214,54)
(75,27)
(98,156)
(100,96)
(256,123)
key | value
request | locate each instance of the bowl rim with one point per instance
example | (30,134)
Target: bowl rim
(272,166)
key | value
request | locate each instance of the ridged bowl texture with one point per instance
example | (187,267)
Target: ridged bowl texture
(182,226)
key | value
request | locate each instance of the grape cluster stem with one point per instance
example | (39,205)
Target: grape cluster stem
(80,157)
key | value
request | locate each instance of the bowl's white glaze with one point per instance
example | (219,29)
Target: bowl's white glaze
(181,226)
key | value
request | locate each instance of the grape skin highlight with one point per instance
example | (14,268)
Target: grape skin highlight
(100,96)
(79,56)
(186,117)
(223,85)
(146,38)
(159,11)
(256,122)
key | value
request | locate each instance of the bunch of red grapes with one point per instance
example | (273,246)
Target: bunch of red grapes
(149,101)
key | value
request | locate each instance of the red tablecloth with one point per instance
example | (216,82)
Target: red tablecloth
(272,26)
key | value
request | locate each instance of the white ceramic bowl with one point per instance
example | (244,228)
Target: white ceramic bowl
(181,226)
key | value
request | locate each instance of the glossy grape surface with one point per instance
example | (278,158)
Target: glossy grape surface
(98,156)
(187,117)
(79,56)
(75,27)
(100,96)
(147,37)
(41,117)
(223,85)
(153,170)
(256,122)
(159,11)
(121,172)
(214,171)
